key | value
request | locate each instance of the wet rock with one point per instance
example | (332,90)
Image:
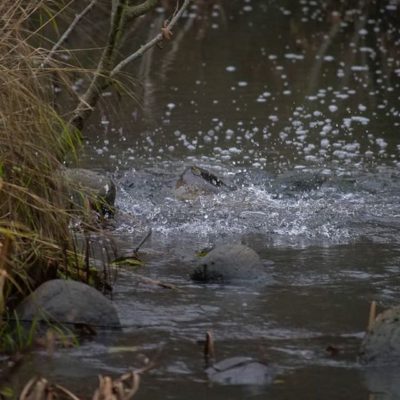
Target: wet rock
(97,188)
(381,344)
(293,182)
(241,371)
(67,301)
(197,181)
(229,263)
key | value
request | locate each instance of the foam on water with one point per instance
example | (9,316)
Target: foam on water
(342,208)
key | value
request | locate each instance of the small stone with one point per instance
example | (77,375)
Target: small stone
(241,371)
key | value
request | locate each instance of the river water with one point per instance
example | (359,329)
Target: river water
(296,104)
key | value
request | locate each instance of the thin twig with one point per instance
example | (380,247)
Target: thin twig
(142,242)
(154,282)
(151,43)
(67,32)
(372,315)
(209,350)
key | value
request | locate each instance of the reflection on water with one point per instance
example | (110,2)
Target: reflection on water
(269,84)
(295,103)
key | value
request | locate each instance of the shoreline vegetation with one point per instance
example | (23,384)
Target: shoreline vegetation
(36,240)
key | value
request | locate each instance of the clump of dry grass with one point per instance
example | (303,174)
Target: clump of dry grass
(34,237)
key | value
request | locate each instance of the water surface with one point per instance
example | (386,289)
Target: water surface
(264,94)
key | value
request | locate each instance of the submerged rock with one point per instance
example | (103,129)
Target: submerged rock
(86,185)
(67,301)
(381,344)
(298,181)
(241,371)
(197,181)
(229,263)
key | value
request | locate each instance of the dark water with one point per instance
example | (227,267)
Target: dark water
(264,94)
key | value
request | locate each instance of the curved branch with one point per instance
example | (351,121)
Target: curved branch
(152,42)
(140,9)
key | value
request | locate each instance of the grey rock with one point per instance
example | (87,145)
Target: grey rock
(241,371)
(229,263)
(99,189)
(293,182)
(67,301)
(381,345)
(196,181)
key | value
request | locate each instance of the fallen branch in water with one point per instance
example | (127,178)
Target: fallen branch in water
(372,315)
(142,242)
(155,282)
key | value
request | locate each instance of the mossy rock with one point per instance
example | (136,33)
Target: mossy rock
(230,263)
(381,344)
(71,302)
(91,187)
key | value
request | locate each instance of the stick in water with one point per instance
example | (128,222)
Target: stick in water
(148,234)
(372,315)
(209,351)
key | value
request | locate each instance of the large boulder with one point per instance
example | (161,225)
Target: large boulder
(241,371)
(230,263)
(67,301)
(381,344)
(196,181)
(94,187)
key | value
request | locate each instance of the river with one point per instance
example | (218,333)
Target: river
(296,104)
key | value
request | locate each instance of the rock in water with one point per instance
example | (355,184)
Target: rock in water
(67,301)
(229,263)
(292,182)
(241,371)
(97,188)
(197,181)
(381,344)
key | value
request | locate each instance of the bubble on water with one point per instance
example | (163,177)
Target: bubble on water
(333,108)
(234,150)
(242,83)
(230,68)
(381,143)
(324,143)
(358,68)
(171,106)
(360,119)
(294,56)
(283,135)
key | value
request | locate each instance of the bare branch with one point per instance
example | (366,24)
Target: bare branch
(152,42)
(102,75)
(140,9)
(67,32)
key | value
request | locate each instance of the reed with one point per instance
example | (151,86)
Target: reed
(35,240)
